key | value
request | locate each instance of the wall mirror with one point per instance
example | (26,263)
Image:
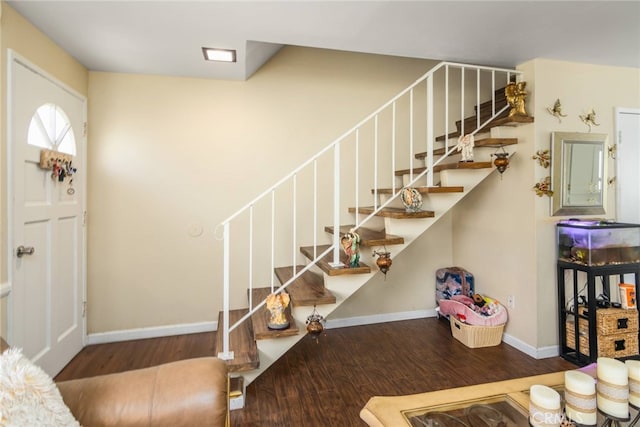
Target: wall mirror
(578,173)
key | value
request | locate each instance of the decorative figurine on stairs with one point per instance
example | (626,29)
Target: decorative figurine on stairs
(465,146)
(351,245)
(516,96)
(276,304)
(411,199)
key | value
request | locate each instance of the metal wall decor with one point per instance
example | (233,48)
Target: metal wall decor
(556,111)
(589,118)
(543,188)
(543,157)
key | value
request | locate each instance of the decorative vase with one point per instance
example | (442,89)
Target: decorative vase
(501,162)
(411,199)
(384,261)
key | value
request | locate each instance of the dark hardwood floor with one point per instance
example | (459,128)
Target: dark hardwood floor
(326,383)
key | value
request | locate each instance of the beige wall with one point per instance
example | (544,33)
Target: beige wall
(503,232)
(25,40)
(172,156)
(169,157)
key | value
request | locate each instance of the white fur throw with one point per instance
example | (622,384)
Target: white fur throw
(28,396)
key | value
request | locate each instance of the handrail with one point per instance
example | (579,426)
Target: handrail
(373,120)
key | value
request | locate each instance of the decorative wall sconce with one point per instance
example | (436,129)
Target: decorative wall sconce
(612,150)
(556,111)
(589,119)
(501,161)
(543,157)
(543,188)
(315,323)
(384,261)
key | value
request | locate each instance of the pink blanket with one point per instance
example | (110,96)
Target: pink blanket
(463,307)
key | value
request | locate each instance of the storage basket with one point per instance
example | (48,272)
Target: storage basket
(610,344)
(476,336)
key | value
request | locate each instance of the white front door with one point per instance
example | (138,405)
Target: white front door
(47,242)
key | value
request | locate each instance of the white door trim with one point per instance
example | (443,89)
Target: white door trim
(12,57)
(617,112)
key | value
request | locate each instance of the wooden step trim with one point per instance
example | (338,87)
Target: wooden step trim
(426,190)
(368,237)
(397,213)
(325,263)
(483,142)
(446,166)
(500,121)
(241,342)
(306,290)
(462,165)
(260,318)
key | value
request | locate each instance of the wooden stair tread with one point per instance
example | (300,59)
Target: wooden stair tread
(325,263)
(484,142)
(370,237)
(500,121)
(306,290)
(260,318)
(427,190)
(241,342)
(397,213)
(446,166)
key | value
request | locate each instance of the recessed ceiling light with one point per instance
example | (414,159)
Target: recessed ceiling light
(223,55)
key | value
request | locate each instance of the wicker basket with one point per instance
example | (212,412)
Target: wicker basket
(613,345)
(476,336)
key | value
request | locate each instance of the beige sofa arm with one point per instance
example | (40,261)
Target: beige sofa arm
(185,393)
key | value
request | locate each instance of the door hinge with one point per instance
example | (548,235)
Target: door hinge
(84,218)
(84,129)
(84,309)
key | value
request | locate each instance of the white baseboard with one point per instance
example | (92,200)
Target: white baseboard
(536,353)
(379,318)
(153,332)
(192,328)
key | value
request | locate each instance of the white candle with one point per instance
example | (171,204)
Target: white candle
(613,387)
(634,382)
(544,406)
(580,397)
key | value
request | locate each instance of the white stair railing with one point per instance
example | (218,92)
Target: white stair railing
(387,135)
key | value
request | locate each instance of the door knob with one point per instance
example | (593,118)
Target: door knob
(25,250)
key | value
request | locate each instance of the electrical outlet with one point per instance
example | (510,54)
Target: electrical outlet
(511,303)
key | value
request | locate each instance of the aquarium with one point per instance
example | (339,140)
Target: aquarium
(598,242)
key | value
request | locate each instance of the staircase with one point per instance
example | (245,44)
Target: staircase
(362,180)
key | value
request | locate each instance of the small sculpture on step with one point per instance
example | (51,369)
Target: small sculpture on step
(516,96)
(465,146)
(411,199)
(276,305)
(351,245)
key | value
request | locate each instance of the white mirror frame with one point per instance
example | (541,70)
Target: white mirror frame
(592,173)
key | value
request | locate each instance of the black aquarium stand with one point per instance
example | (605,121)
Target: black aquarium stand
(604,272)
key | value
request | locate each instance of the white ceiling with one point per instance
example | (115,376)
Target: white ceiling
(166,37)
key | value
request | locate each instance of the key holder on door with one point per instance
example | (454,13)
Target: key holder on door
(61,165)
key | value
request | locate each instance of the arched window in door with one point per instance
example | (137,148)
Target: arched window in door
(50,128)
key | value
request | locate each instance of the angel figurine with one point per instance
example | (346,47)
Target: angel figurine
(351,245)
(465,145)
